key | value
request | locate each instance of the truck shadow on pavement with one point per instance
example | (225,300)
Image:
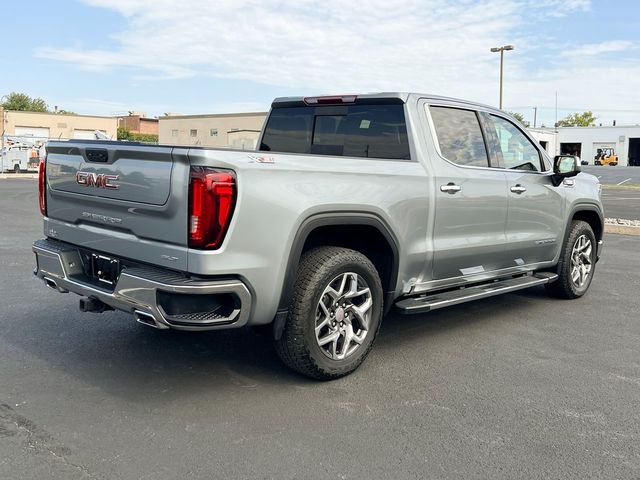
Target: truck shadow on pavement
(126,359)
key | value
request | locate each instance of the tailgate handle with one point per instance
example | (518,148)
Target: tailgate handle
(97,155)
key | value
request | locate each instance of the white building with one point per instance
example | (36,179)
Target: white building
(625,140)
(547,138)
(585,141)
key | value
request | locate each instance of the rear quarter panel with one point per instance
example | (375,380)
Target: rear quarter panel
(277,196)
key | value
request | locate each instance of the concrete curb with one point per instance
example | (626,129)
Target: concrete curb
(621,229)
(4,176)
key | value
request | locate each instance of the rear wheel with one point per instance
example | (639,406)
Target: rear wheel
(334,315)
(577,263)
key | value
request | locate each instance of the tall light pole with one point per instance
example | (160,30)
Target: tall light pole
(501,50)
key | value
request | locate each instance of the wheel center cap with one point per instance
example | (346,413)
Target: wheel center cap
(340,314)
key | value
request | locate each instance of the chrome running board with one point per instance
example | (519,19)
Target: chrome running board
(426,303)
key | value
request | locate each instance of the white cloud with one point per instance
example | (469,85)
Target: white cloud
(334,46)
(561,8)
(593,49)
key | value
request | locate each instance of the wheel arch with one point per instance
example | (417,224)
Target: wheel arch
(591,214)
(381,247)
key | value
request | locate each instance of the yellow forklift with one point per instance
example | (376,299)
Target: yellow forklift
(606,156)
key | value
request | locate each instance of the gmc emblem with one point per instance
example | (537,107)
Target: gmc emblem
(98,180)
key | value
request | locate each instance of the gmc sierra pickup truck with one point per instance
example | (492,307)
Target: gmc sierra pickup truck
(351,205)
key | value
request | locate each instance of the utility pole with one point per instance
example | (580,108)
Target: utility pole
(501,50)
(535,116)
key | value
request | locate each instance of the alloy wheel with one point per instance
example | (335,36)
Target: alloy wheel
(343,315)
(581,261)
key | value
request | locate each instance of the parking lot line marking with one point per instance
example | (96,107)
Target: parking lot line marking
(623,181)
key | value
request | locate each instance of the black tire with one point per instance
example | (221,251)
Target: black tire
(298,347)
(16,168)
(565,286)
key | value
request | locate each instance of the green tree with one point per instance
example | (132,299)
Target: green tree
(518,116)
(584,119)
(23,102)
(124,134)
(38,105)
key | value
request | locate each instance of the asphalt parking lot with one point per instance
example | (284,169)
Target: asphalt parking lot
(621,203)
(615,175)
(518,386)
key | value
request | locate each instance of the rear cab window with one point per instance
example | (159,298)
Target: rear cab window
(364,130)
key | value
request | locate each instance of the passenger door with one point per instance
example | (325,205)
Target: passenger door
(535,221)
(471,198)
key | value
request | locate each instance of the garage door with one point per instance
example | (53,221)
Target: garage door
(79,134)
(38,132)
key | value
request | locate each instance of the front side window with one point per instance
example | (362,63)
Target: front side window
(459,136)
(518,153)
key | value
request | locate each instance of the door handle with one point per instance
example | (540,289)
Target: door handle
(450,188)
(518,189)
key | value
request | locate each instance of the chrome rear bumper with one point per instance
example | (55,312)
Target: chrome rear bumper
(138,289)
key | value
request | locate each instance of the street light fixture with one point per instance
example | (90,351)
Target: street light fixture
(501,50)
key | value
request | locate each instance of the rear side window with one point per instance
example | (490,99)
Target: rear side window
(370,131)
(288,130)
(459,136)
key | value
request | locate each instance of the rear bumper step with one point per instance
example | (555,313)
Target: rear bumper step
(426,303)
(158,298)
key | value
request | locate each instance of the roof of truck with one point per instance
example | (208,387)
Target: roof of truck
(401,96)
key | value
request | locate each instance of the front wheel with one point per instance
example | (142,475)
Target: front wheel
(577,263)
(334,315)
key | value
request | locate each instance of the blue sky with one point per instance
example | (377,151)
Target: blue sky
(196,56)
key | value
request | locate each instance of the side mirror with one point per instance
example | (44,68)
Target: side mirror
(565,166)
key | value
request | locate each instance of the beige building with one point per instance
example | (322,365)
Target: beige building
(44,126)
(232,130)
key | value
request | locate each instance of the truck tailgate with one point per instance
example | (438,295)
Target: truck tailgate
(125,199)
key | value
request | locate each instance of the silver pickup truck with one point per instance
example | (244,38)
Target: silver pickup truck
(350,206)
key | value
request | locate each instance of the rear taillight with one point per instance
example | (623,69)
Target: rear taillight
(42,190)
(212,196)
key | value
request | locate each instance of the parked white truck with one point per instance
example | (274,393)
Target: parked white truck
(19,158)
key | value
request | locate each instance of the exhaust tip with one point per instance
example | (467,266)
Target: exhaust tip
(53,285)
(145,319)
